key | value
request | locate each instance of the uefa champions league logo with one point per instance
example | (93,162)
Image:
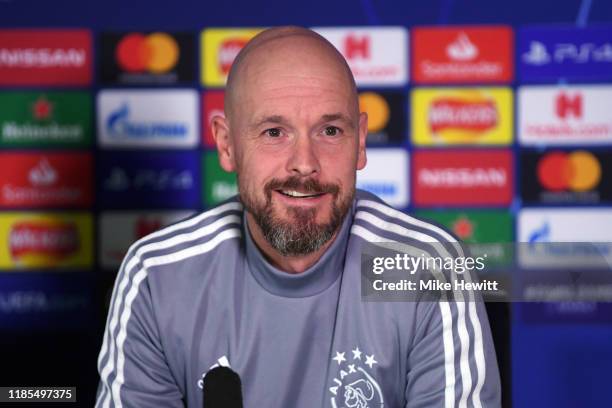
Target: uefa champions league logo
(354,386)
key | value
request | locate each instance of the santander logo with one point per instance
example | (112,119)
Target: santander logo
(43,174)
(462,49)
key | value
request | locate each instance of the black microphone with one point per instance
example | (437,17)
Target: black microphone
(222,388)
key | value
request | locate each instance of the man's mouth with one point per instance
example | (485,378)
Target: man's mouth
(298,194)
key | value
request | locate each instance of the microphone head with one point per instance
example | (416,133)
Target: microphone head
(222,388)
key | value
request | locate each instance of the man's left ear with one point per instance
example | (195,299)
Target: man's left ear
(221,134)
(363,134)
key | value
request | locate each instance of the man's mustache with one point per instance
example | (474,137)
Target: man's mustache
(311,186)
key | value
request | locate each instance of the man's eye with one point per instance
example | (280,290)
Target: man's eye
(331,131)
(274,132)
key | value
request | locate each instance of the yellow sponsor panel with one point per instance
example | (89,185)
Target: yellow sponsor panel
(219,47)
(461,116)
(46,240)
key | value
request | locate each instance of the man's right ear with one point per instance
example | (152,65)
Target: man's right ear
(225,147)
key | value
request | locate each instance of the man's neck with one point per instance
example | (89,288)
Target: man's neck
(289,264)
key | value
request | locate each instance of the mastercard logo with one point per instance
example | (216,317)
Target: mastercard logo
(575,171)
(377,109)
(156,53)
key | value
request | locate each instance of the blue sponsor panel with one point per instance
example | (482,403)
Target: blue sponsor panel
(149,180)
(550,54)
(561,365)
(40,300)
(148,119)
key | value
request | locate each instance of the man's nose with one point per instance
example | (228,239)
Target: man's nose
(304,160)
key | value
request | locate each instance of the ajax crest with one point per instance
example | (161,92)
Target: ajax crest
(354,386)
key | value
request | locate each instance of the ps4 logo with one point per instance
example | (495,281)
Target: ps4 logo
(119,125)
(149,179)
(539,54)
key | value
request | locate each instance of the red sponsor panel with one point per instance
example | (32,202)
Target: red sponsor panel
(462,54)
(456,113)
(51,240)
(228,50)
(212,105)
(45,57)
(45,180)
(462,177)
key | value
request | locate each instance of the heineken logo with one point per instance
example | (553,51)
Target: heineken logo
(53,117)
(42,109)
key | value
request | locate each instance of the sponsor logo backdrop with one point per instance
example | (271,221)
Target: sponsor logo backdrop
(78,134)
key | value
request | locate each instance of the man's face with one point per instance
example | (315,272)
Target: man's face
(297,140)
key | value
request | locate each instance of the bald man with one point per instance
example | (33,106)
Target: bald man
(268,283)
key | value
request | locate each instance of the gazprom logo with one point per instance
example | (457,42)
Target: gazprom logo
(381,188)
(120,125)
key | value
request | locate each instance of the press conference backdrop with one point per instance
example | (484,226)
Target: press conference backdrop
(493,119)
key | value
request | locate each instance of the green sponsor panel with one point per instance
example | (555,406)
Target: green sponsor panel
(45,119)
(487,231)
(218,184)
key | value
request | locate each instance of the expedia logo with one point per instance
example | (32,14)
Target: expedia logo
(461,114)
(54,240)
(156,53)
(120,126)
(228,50)
(574,171)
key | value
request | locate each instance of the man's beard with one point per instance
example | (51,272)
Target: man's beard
(301,235)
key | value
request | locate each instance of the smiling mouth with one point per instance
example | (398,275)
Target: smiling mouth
(297,194)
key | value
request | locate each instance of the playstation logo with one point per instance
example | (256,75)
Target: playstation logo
(537,54)
(117,180)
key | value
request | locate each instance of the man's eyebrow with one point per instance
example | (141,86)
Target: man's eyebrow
(337,116)
(281,120)
(278,119)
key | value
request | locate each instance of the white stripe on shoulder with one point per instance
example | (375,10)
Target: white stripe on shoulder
(190,222)
(394,228)
(133,293)
(141,251)
(128,264)
(464,337)
(473,314)
(447,326)
(392,212)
